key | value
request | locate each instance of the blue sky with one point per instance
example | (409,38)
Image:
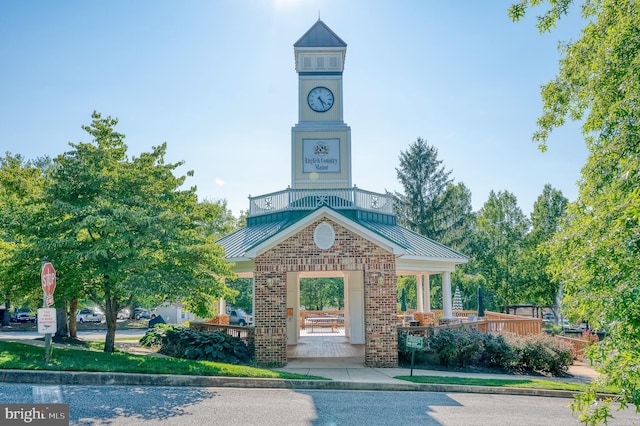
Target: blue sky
(216,81)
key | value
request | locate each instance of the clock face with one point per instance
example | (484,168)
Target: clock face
(320,99)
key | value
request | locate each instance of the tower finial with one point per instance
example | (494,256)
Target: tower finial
(318,14)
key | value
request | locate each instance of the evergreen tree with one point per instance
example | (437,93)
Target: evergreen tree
(432,205)
(425,181)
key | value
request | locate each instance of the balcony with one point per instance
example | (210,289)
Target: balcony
(311,199)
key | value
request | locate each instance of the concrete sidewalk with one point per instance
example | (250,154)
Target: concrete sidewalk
(345,374)
(353,370)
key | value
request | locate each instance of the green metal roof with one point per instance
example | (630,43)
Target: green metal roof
(240,242)
(414,243)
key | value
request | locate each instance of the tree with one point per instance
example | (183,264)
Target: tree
(432,205)
(408,284)
(121,227)
(501,229)
(456,218)
(215,218)
(244,288)
(595,255)
(21,186)
(425,181)
(319,293)
(548,212)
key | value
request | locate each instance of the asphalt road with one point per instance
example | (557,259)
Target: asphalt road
(188,406)
(87,334)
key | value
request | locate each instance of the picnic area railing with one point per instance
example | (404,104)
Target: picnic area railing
(492,322)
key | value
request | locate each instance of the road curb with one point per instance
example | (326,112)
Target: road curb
(126,379)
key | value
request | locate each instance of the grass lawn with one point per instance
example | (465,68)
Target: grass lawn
(23,356)
(506,383)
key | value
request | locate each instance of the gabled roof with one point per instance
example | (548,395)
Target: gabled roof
(320,35)
(248,242)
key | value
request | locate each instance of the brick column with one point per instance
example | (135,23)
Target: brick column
(270,315)
(381,335)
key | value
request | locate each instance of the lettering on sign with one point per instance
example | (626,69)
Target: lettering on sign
(47,321)
(48,278)
(414,342)
(321,155)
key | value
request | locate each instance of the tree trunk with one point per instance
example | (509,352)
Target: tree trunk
(111,315)
(6,319)
(73,308)
(63,320)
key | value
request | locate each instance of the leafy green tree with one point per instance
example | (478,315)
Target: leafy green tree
(501,230)
(319,293)
(121,227)
(214,218)
(244,288)
(21,182)
(595,255)
(548,212)
(408,283)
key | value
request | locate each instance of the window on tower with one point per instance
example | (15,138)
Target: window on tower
(320,62)
(333,62)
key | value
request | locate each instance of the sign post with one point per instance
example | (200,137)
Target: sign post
(46,318)
(414,342)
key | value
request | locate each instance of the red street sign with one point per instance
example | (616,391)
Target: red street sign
(48,277)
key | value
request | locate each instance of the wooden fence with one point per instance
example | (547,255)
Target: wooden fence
(578,346)
(492,322)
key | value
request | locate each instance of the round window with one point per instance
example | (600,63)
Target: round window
(324,236)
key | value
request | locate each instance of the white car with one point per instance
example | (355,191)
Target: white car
(89,315)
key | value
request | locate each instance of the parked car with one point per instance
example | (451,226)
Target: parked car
(141,313)
(25,317)
(240,317)
(124,314)
(89,315)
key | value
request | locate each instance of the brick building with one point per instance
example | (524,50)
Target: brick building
(323,226)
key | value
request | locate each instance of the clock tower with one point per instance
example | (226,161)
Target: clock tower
(320,141)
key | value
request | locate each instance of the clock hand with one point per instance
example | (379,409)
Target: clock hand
(321,101)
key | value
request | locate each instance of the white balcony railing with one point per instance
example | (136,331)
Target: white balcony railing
(311,199)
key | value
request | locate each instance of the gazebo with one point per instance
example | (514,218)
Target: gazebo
(324,226)
(351,234)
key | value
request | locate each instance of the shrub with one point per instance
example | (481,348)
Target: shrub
(462,346)
(443,344)
(542,354)
(469,347)
(180,342)
(497,352)
(154,337)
